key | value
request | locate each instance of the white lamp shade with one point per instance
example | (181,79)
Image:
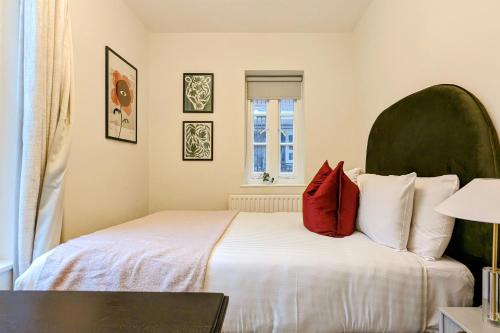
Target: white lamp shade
(477,201)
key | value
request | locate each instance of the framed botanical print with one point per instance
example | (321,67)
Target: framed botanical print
(197,140)
(198,92)
(121,98)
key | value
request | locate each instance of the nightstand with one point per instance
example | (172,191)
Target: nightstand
(468,320)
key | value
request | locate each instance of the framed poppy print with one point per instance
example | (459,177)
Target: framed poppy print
(198,92)
(197,141)
(121,98)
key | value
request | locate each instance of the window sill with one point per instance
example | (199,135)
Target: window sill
(5,266)
(273,185)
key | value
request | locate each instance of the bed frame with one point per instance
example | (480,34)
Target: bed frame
(443,129)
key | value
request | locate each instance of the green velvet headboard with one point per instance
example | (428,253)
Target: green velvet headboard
(441,130)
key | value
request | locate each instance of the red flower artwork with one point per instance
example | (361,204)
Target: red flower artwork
(122,95)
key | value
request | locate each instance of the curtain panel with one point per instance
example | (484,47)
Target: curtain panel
(46,69)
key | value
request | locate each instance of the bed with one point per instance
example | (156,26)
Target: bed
(281,278)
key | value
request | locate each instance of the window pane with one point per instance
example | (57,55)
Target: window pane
(286,120)
(286,135)
(259,158)
(259,109)
(259,121)
(286,106)
(259,129)
(286,164)
(286,124)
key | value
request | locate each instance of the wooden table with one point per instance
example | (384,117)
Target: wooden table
(103,312)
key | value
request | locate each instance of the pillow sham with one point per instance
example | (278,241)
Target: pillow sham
(354,173)
(430,231)
(385,208)
(330,203)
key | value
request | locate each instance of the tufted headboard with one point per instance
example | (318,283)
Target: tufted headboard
(443,129)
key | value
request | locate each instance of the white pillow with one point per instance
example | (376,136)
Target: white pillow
(430,231)
(385,208)
(354,173)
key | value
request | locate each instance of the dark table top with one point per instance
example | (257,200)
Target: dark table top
(103,312)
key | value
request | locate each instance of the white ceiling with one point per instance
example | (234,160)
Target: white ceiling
(249,15)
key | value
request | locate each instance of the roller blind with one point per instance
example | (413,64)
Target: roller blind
(274,87)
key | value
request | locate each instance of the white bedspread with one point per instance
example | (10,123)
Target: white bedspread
(281,278)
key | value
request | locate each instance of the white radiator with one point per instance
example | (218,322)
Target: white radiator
(266,203)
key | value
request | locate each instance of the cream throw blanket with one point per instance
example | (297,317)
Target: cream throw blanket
(165,251)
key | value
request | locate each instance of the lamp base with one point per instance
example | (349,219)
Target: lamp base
(490,296)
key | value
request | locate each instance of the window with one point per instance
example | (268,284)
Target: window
(10,143)
(274,130)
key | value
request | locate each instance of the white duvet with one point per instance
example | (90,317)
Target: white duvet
(282,278)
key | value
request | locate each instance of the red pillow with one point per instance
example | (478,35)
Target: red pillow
(330,202)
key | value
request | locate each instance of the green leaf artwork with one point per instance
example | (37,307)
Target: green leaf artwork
(198,140)
(198,92)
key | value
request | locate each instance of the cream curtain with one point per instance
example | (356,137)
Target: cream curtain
(46,101)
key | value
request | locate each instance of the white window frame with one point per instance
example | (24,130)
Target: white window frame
(10,147)
(273,143)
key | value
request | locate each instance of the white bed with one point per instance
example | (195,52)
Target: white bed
(282,278)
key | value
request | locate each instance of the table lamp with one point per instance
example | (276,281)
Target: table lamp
(480,201)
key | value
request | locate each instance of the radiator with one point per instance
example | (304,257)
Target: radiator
(266,203)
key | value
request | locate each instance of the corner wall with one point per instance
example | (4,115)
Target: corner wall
(404,46)
(397,48)
(107,180)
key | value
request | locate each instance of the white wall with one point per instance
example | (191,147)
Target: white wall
(9,127)
(107,181)
(330,121)
(398,47)
(406,45)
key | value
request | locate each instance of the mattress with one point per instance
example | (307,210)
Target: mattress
(282,278)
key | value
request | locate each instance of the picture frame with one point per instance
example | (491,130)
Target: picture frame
(197,140)
(121,83)
(198,93)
